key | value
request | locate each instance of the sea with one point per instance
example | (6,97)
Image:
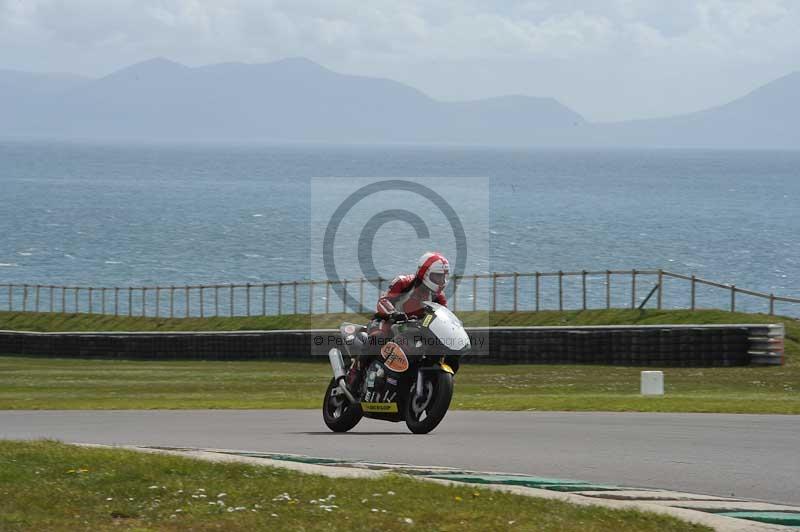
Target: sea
(112,214)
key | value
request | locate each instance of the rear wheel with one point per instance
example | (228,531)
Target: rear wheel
(423,413)
(339,415)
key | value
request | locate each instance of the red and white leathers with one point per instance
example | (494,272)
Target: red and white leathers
(407,293)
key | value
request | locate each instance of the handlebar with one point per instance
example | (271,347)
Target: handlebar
(408,319)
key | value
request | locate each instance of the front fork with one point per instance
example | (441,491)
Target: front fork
(339,374)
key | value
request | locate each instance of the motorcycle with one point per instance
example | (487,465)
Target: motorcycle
(410,380)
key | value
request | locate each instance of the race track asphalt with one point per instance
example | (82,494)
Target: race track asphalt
(749,456)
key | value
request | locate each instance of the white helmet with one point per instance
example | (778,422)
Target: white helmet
(433,269)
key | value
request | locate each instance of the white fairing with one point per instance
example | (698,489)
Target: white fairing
(448,329)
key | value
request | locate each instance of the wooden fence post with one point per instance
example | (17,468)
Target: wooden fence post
(130,301)
(186,296)
(361,295)
(52,293)
(560,290)
(733,298)
(103,301)
(116,301)
(294,298)
(538,290)
(77,301)
(144,301)
(328,296)
(608,289)
(694,289)
(24,297)
(583,287)
(516,282)
(280,297)
(263,299)
(158,301)
(247,299)
(216,301)
(456,279)
(660,288)
(63,299)
(91,291)
(172,301)
(494,292)
(344,296)
(202,302)
(474,292)
(36,298)
(633,289)
(772,304)
(311,297)
(231,296)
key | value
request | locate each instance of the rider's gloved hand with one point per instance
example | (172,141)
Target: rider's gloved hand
(397,316)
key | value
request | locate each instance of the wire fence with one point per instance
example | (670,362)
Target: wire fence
(533,291)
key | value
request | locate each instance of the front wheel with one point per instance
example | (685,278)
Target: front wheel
(424,413)
(339,415)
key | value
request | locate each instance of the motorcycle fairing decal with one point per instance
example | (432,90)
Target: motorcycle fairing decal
(427,320)
(374,397)
(379,407)
(394,357)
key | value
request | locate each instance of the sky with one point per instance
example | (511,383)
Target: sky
(606,59)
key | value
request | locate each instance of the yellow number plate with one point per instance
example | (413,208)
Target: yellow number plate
(379,407)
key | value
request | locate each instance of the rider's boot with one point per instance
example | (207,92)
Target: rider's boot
(353,377)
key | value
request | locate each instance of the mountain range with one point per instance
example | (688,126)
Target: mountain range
(299,100)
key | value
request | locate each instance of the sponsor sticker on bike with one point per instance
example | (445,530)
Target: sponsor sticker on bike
(349,329)
(394,357)
(427,320)
(379,407)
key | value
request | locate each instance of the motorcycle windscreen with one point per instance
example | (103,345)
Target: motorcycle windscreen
(448,329)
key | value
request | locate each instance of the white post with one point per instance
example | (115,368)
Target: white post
(652,383)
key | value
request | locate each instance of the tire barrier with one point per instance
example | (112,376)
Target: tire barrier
(642,345)
(658,345)
(766,345)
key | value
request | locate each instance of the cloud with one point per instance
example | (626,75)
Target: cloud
(399,38)
(422,29)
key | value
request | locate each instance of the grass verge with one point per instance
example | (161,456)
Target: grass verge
(38,383)
(46,485)
(45,322)
(42,383)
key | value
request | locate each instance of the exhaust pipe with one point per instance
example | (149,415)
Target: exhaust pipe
(337,363)
(339,373)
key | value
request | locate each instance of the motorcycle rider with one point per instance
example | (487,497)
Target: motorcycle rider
(404,298)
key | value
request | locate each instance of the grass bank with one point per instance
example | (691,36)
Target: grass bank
(50,486)
(45,322)
(40,383)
